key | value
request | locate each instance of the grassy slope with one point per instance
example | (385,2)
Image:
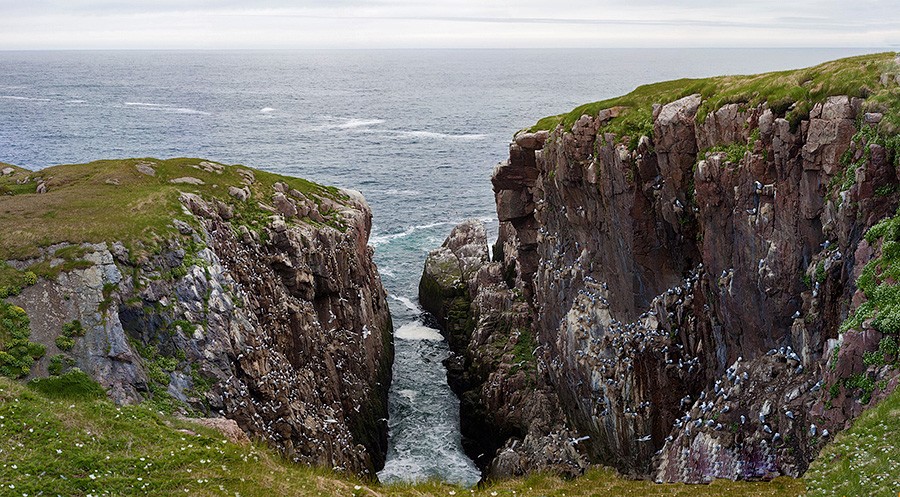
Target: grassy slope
(68,440)
(864,460)
(789,93)
(84,205)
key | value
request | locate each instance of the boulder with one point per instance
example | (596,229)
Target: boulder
(145,168)
(241,194)
(284,205)
(187,180)
(227,427)
(872,117)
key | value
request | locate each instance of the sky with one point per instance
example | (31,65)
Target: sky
(232,24)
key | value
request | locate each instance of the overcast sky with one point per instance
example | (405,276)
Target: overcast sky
(41,24)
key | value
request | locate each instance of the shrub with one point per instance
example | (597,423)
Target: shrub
(74,384)
(56,365)
(66,340)
(17,352)
(65,343)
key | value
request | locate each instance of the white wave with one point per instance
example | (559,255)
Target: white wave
(440,136)
(386,272)
(377,240)
(359,123)
(341,124)
(76,101)
(400,193)
(380,239)
(24,99)
(186,110)
(417,331)
(408,394)
(166,108)
(266,110)
(408,303)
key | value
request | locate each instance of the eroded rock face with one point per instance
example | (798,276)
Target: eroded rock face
(511,420)
(284,330)
(676,295)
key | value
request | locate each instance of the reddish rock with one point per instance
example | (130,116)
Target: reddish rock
(649,273)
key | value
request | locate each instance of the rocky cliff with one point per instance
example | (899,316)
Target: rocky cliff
(213,290)
(510,417)
(706,268)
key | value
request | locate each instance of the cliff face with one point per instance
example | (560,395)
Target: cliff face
(510,417)
(687,281)
(279,324)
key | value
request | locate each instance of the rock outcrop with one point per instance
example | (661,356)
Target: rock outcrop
(510,418)
(280,325)
(685,288)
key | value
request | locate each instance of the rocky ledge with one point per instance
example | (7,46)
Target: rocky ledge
(213,290)
(704,271)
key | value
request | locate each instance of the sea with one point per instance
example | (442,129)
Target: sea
(418,132)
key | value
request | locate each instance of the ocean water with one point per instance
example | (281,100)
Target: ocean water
(418,132)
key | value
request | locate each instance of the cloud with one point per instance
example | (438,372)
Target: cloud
(451,23)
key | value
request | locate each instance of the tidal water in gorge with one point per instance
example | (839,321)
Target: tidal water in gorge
(417,131)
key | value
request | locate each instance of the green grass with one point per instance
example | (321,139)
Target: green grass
(734,153)
(58,436)
(523,351)
(791,94)
(84,203)
(864,459)
(12,280)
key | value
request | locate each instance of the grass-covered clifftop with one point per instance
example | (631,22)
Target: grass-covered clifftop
(59,436)
(133,201)
(790,94)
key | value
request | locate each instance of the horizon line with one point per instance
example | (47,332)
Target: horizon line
(886,48)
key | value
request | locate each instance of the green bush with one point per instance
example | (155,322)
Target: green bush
(889,348)
(888,320)
(862,382)
(156,373)
(167,363)
(56,365)
(73,329)
(66,340)
(65,343)
(17,352)
(74,384)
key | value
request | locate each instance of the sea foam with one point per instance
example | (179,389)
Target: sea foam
(417,331)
